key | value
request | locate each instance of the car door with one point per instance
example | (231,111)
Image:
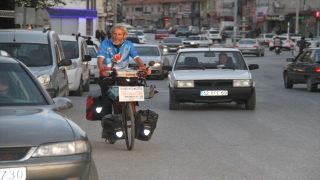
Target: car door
(303,67)
(62,71)
(85,64)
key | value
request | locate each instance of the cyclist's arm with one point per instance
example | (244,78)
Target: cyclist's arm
(141,65)
(100,58)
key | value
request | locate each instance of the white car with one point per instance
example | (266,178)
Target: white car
(197,41)
(313,44)
(95,40)
(94,70)
(141,35)
(287,43)
(214,34)
(197,76)
(79,70)
(265,38)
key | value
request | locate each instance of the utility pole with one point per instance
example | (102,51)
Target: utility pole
(235,22)
(297,16)
(115,12)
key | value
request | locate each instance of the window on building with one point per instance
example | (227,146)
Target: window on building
(132,9)
(89,26)
(180,8)
(159,9)
(151,9)
(145,9)
(127,9)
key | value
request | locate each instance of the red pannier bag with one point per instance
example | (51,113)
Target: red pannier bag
(94,111)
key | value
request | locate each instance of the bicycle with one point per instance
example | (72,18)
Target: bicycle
(124,103)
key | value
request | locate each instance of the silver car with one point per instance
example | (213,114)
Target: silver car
(42,52)
(250,46)
(151,52)
(198,75)
(94,70)
(35,141)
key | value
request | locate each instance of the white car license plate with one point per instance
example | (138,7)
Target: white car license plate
(214,93)
(13,173)
(173,48)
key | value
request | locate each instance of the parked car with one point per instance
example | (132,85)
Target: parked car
(194,30)
(79,71)
(205,28)
(140,34)
(182,32)
(42,52)
(94,70)
(287,43)
(94,39)
(160,34)
(304,69)
(197,41)
(37,142)
(265,38)
(313,44)
(214,35)
(151,52)
(251,46)
(171,44)
(196,76)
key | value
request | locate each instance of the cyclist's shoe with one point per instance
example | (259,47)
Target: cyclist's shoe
(104,134)
(111,140)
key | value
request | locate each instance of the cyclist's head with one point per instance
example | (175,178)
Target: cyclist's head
(119,32)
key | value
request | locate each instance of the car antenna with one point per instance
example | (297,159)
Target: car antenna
(14,35)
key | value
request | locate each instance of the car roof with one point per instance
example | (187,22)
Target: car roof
(207,49)
(8,60)
(68,38)
(24,35)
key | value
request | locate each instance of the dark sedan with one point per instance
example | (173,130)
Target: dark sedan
(182,32)
(171,44)
(35,141)
(304,69)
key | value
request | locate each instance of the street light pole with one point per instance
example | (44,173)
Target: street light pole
(235,22)
(211,14)
(115,12)
(297,16)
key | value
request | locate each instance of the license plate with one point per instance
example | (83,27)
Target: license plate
(13,173)
(245,50)
(214,93)
(131,93)
(173,48)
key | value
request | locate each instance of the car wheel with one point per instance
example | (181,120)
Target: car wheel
(259,54)
(287,83)
(196,46)
(161,76)
(311,87)
(86,87)
(174,104)
(95,80)
(250,104)
(79,91)
(93,172)
(262,54)
(270,49)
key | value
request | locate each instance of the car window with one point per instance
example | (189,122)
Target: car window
(209,61)
(92,52)
(300,56)
(214,32)
(70,49)
(162,32)
(172,40)
(22,90)
(193,38)
(247,42)
(306,57)
(148,51)
(133,40)
(269,36)
(317,56)
(29,54)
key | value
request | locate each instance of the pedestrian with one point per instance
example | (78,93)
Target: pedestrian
(98,34)
(310,35)
(302,44)
(103,35)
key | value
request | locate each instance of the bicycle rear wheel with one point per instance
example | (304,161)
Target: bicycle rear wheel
(128,124)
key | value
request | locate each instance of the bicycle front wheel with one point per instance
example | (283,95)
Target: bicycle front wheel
(129,124)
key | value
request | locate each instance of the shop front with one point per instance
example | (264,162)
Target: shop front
(277,24)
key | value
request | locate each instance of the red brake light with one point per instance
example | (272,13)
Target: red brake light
(270,41)
(288,41)
(255,45)
(317,69)
(237,45)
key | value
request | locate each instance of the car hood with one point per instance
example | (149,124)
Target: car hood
(32,127)
(146,59)
(209,74)
(172,43)
(40,70)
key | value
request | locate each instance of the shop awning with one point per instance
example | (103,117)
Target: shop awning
(301,13)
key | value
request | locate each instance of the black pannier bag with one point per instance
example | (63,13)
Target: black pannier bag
(112,123)
(145,124)
(94,109)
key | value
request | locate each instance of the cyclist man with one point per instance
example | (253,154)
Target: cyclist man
(277,42)
(108,48)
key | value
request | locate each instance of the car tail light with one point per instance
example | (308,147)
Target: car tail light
(270,42)
(287,41)
(237,45)
(317,69)
(255,45)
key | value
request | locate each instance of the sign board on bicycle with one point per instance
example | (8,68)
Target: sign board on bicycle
(131,93)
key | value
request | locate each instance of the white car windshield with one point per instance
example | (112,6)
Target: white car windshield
(209,60)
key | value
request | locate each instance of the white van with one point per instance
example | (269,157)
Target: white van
(76,49)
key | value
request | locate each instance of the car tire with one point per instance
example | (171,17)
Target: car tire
(311,87)
(259,54)
(93,172)
(79,91)
(174,104)
(250,104)
(95,80)
(287,83)
(86,87)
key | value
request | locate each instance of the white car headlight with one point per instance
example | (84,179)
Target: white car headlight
(61,148)
(184,84)
(74,65)
(243,83)
(191,42)
(157,64)
(44,79)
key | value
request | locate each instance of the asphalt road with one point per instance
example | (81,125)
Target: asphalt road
(279,140)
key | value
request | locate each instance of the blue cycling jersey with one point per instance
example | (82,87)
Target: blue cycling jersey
(107,50)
